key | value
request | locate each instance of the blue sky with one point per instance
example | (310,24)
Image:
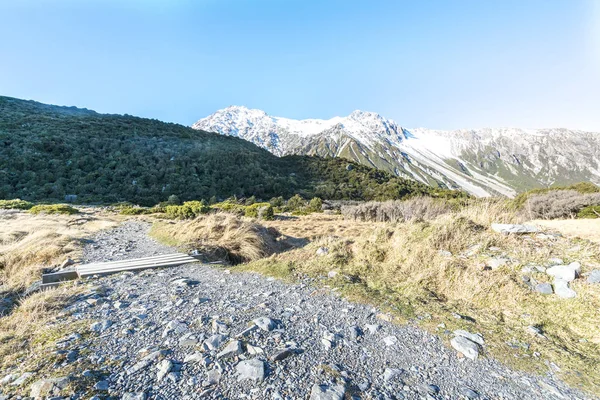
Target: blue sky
(439,64)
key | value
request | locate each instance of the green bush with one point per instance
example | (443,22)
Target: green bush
(295,202)
(315,205)
(53,209)
(173,200)
(188,210)
(135,211)
(589,212)
(15,204)
(230,206)
(261,211)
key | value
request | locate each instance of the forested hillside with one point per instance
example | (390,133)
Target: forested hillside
(47,152)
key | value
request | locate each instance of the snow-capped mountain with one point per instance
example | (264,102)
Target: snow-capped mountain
(481,161)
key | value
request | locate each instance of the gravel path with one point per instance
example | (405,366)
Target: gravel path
(186,332)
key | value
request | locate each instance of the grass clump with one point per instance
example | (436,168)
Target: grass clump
(53,209)
(188,210)
(15,204)
(220,236)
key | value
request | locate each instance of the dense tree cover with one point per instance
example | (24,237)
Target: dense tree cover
(48,152)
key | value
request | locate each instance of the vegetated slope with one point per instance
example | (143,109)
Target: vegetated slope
(481,161)
(47,152)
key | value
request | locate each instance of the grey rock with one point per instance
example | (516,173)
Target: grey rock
(232,349)
(594,276)
(562,289)
(514,228)
(134,396)
(215,341)
(391,373)
(469,393)
(174,327)
(101,326)
(562,272)
(467,347)
(281,354)
(497,262)
(474,337)
(164,368)
(253,369)
(264,323)
(544,288)
(49,387)
(146,361)
(390,340)
(327,392)
(372,328)
(102,385)
(213,377)
(21,379)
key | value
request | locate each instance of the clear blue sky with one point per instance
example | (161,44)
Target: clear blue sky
(440,64)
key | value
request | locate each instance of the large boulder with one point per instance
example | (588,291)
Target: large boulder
(49,387)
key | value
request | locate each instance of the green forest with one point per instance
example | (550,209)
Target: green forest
(48,152)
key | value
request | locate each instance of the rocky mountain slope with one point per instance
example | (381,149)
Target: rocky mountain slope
(481,161)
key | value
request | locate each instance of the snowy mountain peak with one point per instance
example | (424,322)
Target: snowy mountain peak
(481,161)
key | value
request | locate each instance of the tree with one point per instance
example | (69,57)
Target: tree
(315,205)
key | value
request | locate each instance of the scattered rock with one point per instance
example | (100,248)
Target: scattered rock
(467,347)
(281,354)
(391,373)
(253,369)
(390,340)
(469,393)
(21,379)
(264,323)
(102,386)
(213,377)
(544,288)
(594,276)
(322,251)
(562,289)
(514,228)
(497,262)
(101,326)
(164,368)
(134,396)
(49,387)
(232,349)
(562,272)
(327,392)
(215,341)
(474,337)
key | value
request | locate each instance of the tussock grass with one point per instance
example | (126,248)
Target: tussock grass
(405,268)
(30,243)
(219,236)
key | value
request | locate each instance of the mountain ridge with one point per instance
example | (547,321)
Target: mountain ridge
(484,161)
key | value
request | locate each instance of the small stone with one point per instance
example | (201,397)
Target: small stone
(322,251)
(253,369)
(253,350)
(281,354)
(174,327)
(465,346)
(232,349)
(514,228)
(372,328)
(327,392)
(594,276)
(390,340)
(67,263)
(215,341)
(102,386)
(562,272)
(213,377)
(544,288)
(164,368)
(193,358)
(562,289)
(555,261)
(264,323)
(134,396)
(497,262)
(219,327)
(332,274)
(474,337)
(468,393)
(432,389)
(174,376)
(101,326)
(355,332)
(391,373)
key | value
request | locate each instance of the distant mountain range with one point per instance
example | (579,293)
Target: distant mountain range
(484,162)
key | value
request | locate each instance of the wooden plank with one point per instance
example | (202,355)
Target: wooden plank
(139,259)
(133,263)
(104,271)
(120,267)
(60,276)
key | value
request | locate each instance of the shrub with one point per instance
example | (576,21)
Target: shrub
(415,209)
(135,211)
(581,187)
(250,200)
(295,202)
(189,209)
(231,206)
(277,202)
(53,209)
(589,212)
(173,200)
(559,204)
(315,205)
(15,204)
(260,211)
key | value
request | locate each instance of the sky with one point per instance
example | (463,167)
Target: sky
(441,64)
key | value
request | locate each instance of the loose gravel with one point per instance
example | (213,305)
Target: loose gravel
(199,331)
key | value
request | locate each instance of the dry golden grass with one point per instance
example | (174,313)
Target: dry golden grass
(402,266)
(219,236)
(29,243)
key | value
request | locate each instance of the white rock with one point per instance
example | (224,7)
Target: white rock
(327,392)
(232,349)
(562,272)
(253,369)
(474,337)
(264,323)
(164,368)
(390,340)
(562,289)
(467,347)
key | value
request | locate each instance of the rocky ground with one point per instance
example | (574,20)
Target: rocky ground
(199,331)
